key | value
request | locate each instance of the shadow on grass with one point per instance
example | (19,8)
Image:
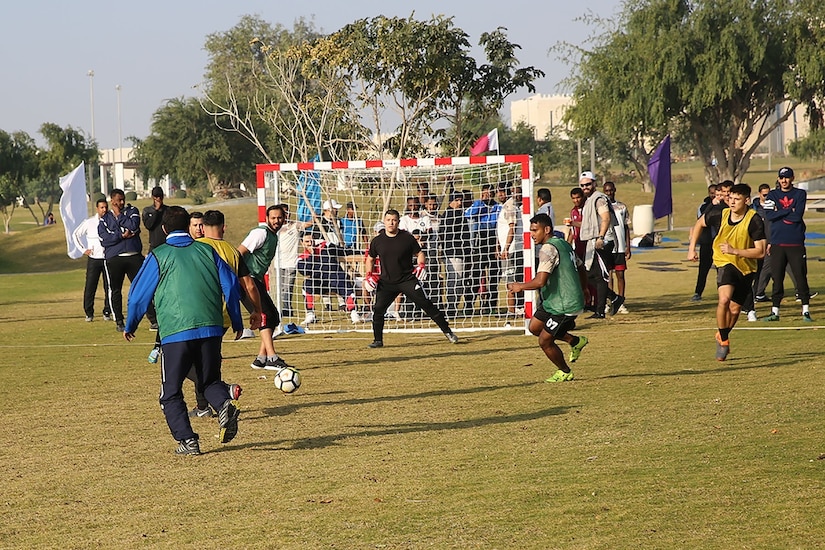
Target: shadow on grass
(400,429)
(292,408)
(731,365)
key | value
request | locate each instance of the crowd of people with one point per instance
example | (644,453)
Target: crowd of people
(440,262)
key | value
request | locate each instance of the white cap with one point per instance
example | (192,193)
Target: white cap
(588,175)
(378,227)
(329,205)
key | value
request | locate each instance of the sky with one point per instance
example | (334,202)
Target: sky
(153,50)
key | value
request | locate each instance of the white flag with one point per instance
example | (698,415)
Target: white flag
(73,208)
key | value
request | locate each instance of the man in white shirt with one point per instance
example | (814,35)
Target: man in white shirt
(289,236)
(510,236)
(87,239)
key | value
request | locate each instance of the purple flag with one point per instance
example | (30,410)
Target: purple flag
(659,169)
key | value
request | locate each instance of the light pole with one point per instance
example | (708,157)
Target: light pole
(91,75)
(119,134)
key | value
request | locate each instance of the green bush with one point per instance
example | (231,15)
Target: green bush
(180,194)
(131,196)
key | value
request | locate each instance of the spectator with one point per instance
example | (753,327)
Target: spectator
(482,216)
(352,227)
(785,209)
(119,231)
(153,219)
(597,230)
(323,274)
(704,241)
(455,244)
(86,238)
(509,233)
(329,229)
(622,253)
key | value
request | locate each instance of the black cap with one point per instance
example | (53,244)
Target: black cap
(786,172)
(157,192)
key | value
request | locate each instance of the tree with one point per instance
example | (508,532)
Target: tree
(66,149)
(811,147)
(720,69)
(266,84)
(186,144)
(18,164)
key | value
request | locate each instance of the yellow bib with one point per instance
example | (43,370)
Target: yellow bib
(738,237)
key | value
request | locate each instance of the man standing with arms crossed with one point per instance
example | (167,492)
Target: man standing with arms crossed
(189,284)
(258,249)
(119,232)
(784,208)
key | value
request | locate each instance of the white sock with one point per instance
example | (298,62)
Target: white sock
(775,311)
(804,309)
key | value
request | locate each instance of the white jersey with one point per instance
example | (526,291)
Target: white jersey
(86,237)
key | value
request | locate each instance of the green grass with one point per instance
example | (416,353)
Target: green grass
(420,444)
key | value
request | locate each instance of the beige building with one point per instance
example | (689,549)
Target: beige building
(543,112)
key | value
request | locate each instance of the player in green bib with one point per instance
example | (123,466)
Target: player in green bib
(562,283)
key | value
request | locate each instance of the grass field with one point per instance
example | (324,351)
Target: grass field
(420,444)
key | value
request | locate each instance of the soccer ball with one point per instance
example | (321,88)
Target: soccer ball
(288,380)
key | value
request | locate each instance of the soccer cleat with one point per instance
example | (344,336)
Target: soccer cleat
(761,298)
(201,413)
(696,298)
(258,364)
(615,304)
(807,317)
(107,317)
(188,447)
(576,350)
(752,316)
(228,420)
(235,391)
(376,344)
(153,327)
(354,317)
(597,316)
(451,337)
(277,364)
(771,317)
(722,347)
(89,318)
(623,310)
(154,355)
(561,376)
(120,327)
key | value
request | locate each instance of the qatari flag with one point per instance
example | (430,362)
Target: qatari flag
(659,169)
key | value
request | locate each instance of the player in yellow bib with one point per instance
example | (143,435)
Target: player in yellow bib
(739,243)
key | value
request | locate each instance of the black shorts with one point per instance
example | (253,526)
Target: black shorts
(742,284)
(556,325)
(619,261)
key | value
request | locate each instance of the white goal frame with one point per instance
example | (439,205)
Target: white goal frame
(274,187)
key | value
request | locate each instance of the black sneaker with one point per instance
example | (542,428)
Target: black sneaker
(153,327)
(615,304)
(188,447)
(597,316)
(376,344)
(228,420)
(258,364)
(761,298)
(277,364)
(120,327)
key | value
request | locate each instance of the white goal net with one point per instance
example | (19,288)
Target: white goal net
(459,209)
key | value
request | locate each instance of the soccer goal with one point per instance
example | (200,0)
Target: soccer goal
(341,205)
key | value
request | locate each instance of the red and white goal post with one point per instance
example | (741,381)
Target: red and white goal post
(373,186)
